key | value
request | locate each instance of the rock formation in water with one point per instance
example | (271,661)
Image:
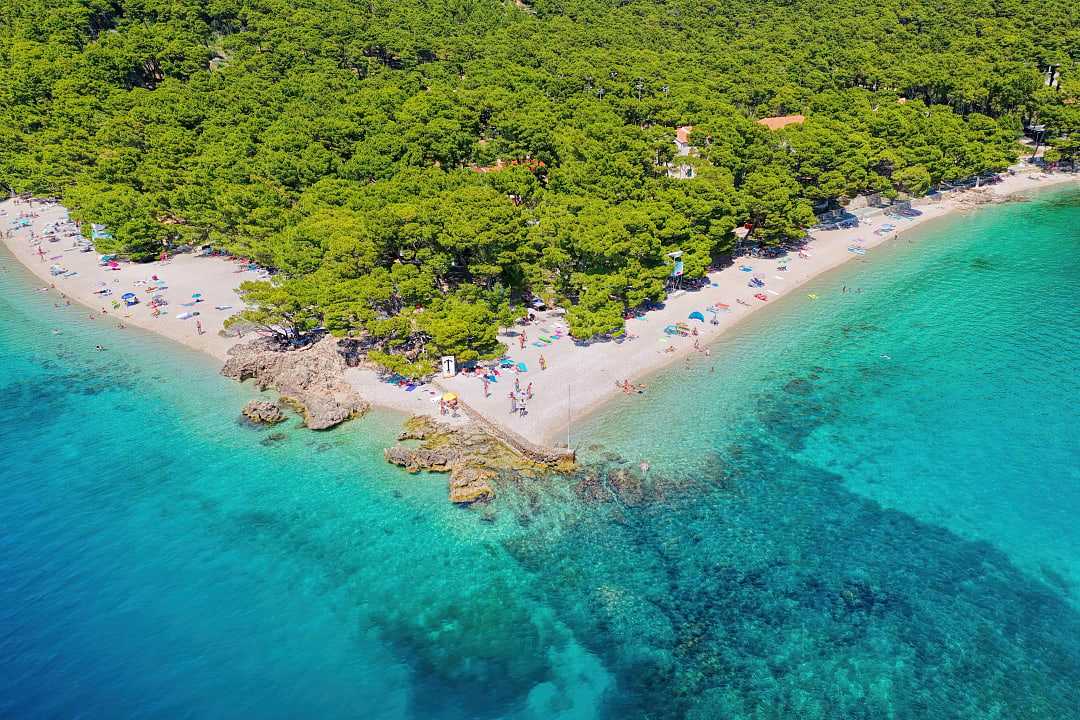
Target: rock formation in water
(469,484)
(263,412)
(312,377)
(473,457)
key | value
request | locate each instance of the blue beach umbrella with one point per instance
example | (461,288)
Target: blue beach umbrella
(697,316)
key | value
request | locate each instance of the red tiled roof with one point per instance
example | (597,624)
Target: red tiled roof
(775,123)
(683,134)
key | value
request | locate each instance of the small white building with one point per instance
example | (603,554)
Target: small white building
(682,139)
(682,171)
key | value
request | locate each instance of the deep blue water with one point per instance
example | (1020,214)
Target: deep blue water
(859,507)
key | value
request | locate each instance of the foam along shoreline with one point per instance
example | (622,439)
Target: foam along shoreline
(578,377)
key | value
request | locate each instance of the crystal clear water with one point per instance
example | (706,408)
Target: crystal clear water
(858,507)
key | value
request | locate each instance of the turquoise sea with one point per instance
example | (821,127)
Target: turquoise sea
(859,507)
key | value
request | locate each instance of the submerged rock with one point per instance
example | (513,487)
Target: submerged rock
(263,412)
(470,484)
(311,377)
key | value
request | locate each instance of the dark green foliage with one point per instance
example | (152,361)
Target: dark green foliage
(337,141)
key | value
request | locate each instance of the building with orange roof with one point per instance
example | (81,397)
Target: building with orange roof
(682,139)
(780,121)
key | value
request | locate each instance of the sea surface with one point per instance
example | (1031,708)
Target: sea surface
(861,506)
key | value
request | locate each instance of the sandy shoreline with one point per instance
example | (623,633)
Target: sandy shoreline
(579,380)
(579,377)
(214,279)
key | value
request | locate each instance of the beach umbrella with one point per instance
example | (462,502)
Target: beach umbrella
(196,296)
(696,316)
(449,397)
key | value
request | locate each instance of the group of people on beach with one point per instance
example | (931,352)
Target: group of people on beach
(519,398)
(448,407)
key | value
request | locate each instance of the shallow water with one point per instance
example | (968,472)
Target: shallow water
(859,507)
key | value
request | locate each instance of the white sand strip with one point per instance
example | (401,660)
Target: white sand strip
(579,377)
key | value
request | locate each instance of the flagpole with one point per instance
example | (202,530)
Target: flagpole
(569,417)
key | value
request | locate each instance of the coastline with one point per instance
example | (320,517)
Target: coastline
(580,378)
(185,275)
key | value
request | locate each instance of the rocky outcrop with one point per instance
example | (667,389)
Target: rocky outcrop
(312,377)
(473,458)
(263,412)
(417,459)
(470,484)
(559,457)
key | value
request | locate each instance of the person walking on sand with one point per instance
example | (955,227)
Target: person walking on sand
(521,339)
(513,403)
(487,384)
(198,327)
(543,362)
(528,392)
